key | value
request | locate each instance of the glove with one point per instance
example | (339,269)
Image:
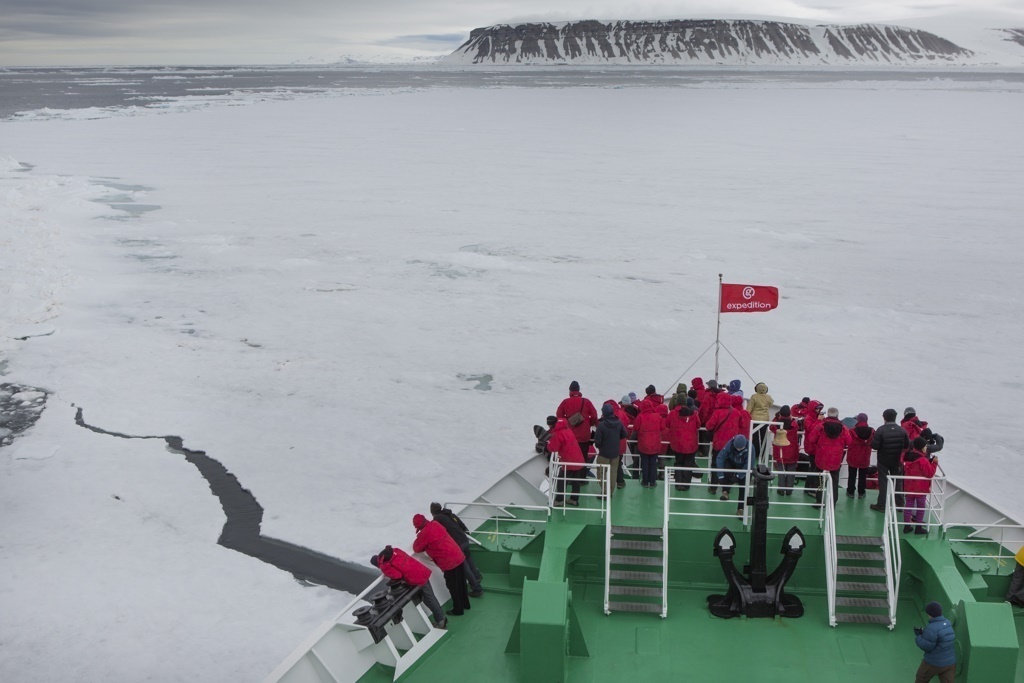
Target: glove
(918,630)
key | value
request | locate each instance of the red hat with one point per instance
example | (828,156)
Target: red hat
(419,521)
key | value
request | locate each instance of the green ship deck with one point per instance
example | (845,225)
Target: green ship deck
(487,643)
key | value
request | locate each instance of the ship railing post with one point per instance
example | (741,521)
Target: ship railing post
(608,543)
(829,537)
(670,475)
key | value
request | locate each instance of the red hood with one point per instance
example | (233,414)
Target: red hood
(815,407)
(419,521)
(560,425)
(737,401)
(697,383)
(575,394)
(723,400)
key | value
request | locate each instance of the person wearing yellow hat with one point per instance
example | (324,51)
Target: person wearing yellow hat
(1015,594)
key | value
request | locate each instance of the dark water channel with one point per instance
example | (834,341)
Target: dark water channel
(244,515)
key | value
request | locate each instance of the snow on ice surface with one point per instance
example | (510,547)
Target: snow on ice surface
(324,279)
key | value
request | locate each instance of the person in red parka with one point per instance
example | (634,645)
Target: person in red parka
(723,425)
(737,403)
(697,384)
(828,443)
(811,421)
(647,430)
(434,540)
(683,428)
(858,457)
(564,443)
(912,424)
(917,464)
(786,457)
(799,410)
(576,405)
(395,563)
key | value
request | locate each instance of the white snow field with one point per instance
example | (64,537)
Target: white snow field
(303,288)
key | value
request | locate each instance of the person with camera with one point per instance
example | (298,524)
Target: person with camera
(395,563)
(937,640)
(580,414)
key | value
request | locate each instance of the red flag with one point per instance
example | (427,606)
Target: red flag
(748,298)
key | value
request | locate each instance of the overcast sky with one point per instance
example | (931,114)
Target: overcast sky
(75,32)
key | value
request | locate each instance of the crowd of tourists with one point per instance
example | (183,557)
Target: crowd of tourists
(718,422)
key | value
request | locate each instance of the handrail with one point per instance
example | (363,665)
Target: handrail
(608,554)
(672,496)
(1001,543)
(892,554)
(502,507)
(934,501)
(664,546)
(603,471)
(831,555)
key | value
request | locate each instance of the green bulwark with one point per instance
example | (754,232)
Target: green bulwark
(542,617)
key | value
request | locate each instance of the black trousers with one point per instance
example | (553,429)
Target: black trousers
(857,481)
(884,471)
(835,487)
(455,580)
(684,477)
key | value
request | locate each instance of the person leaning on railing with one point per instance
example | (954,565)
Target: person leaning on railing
(564,443)
(394,563)
(1015,593)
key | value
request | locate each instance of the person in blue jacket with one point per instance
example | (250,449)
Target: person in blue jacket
(936,639)
(735,456)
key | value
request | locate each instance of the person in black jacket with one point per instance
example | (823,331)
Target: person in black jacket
(459,532)
(891,441)
(608,439)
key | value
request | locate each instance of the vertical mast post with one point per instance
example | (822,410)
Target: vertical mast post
(718,329)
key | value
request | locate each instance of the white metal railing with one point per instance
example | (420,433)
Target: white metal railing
(765,455)
(1006,548)
(892,553)
(608,551)
(934,499)
(664,545)
(558,474)
(502,508)
(673,496)
(829,534)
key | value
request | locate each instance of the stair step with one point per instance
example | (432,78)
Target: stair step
(636,559)
(637,530)
(860,587)
(851,618)
(637,591)
(637,545)
(635,607)
(859,555)
(862,602)
(861,571)
(859,540)
(635,576)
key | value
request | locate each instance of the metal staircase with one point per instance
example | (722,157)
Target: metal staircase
(862,596)
(635,570)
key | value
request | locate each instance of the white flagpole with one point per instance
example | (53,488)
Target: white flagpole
(718,329)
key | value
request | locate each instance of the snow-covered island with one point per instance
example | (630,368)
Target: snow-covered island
(718,42)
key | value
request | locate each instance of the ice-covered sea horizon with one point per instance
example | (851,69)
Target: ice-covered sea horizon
(315,288)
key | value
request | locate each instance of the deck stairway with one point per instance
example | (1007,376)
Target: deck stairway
(635,569)
(861,595)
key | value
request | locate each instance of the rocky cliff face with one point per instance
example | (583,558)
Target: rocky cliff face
(703,42)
